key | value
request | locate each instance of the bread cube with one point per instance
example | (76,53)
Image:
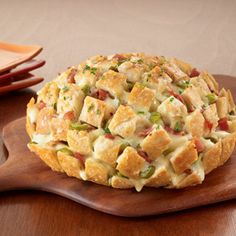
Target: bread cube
(70,99)
(93,111)
(141,97)
(130,163)
(43,120)
(175,72)
(49,93)
(222,107)
(195,123)
(172,110)
(184,157)
(69,164)
(155,143)
(96,171)
(112,82)
(123,122)
(79,141)
(107,150)
(210,114)
(192,98)
(59,128)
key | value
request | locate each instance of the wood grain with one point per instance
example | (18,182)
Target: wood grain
(220,185)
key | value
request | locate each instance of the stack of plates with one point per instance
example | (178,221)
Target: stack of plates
(16,64)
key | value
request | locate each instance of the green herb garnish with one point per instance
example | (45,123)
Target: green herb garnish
(86,89)
(98,112)
(106,130)
(90,108)
(65,88)
(121,175)
(148,172)
(177,127)
(55,106)
(140,112)
(139,61)
(171,99)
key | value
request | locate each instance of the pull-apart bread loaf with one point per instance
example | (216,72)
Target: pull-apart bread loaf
(133,120)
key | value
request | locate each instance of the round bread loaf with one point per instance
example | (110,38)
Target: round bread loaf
(133,120)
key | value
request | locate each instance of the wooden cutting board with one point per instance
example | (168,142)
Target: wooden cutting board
(24,170)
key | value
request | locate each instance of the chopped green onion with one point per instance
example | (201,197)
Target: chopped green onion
(55,106)
(180,91)
(121,175)
(86,68)
(130,85)
(86,89)
(171,99)
(211,98)
(66,151)
(106,130)
(140,112)
(177,127)
(148,172)
(123,146)
(139,61)
(184,84)
(78,126)
(90,108)
(155,117)
(98,112)
(33,142)
(65,88)
(93,70)
(114,68)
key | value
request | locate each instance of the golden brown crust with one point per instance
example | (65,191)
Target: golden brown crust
(107,150)
(228,145)
(79,141)
(30,127)
(96,171)
(161,177)
(155,143)
(190,180)
(130,163)
(123,122)
(211,158)
(184,157)
(141,97)
(69,164)
(59,128)
(44,118)
(121,182)
(46,155)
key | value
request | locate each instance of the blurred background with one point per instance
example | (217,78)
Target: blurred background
(200,32)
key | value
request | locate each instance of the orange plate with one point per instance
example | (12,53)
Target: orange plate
(12,55)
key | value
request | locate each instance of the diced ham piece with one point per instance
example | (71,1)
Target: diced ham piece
(223,124)
(194,73)
(208,124)
(199,145)
(177,96)
(41,105)
(145,132)
(69,115)
(80,157)
(109,136)
(71,76)
(144,155)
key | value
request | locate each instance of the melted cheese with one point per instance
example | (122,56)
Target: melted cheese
(42,139)
(32,113)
